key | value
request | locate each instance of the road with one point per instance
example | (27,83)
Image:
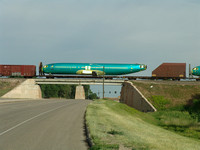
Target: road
(43,125)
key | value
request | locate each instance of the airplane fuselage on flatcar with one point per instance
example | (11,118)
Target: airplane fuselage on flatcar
(92,68)
(196,71)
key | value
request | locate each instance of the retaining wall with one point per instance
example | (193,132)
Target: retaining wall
(131,96)
(27,89)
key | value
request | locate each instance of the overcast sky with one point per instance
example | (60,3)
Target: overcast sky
(106,31)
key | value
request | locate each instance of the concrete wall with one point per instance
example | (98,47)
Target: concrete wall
(27,89)
(131,96)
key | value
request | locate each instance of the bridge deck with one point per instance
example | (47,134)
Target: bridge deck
(79,81)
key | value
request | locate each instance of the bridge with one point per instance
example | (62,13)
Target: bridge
(80,81)
(31,89)
(130,95)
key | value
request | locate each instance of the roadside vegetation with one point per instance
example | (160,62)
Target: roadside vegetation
(114,125)
(176,124)
(178,105)
(65,91)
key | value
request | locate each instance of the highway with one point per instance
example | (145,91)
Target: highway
(43,125)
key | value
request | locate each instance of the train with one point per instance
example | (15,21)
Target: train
(174,71)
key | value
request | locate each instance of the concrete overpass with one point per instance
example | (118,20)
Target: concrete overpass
(79,81)
(130,95)
(30,88)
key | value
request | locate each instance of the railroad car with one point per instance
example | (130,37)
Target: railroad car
(94,69)
(170,71)
(18,70)
(196,71)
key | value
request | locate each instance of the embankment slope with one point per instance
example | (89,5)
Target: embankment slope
(7,84)
(175,92)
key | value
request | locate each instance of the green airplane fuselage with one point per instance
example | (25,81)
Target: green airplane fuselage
(90,68)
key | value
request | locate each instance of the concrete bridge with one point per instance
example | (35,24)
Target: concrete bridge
(130,95)
(80,93)
(31,89)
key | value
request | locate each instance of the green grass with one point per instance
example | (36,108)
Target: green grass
(113,125)
(175,93)
(177,103)
(159,102)
(180,122)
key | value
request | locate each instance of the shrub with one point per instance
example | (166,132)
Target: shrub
(193,107)
(159,102)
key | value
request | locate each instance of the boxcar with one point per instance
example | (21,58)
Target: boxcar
(18,70)
(170,71)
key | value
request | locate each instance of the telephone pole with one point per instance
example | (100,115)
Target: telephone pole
(103,81)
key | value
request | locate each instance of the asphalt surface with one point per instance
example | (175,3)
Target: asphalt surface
(43,125)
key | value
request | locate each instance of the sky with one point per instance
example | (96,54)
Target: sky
(100,31)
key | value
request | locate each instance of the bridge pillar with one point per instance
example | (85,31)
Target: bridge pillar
(80,92)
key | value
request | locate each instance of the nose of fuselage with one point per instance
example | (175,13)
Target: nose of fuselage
(196,71)
(143,67)
(45,68)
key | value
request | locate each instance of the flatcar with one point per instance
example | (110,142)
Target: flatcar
(18,70)
(94,69)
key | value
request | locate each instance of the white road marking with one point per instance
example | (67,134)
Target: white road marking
(2,133)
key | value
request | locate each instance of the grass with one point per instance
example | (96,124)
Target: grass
(180,122)
(177,103)
(114,125)
(175,93)
(159,102)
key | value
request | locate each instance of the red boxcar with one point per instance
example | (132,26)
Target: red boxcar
(18,70)
(170,70)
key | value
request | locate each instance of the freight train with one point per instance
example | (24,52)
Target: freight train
(174,71)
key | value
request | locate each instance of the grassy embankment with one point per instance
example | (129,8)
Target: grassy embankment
(8,84)
(170,93)
(178,104)
(113,125)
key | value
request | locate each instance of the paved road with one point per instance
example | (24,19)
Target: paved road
(43,125)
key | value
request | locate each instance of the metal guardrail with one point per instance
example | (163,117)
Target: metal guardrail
(79,81)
